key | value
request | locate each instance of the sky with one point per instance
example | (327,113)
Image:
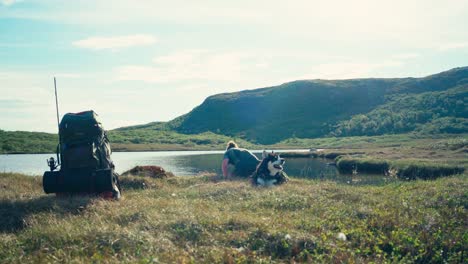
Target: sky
(135,62)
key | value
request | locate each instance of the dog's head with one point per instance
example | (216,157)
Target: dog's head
(273,162)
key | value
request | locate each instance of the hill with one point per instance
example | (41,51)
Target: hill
(316,108)
(429,113)
(13,142)
(27,142)
(301,109)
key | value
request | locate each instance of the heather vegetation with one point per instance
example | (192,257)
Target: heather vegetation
(404,156)
(121,140)
(403,169)
(428,113)
(403,142)
(153,139)
(27,142)
(201,219)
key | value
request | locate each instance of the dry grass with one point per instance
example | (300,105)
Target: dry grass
(204,220)
(450,149)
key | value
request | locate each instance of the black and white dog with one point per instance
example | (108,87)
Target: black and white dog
(270,171)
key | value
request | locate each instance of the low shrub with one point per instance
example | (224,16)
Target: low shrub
(149,171)
(366,165)
(408,170)
(424,170)
(281,245)
(404,222)
(136,183)
(186,231)
(305,154)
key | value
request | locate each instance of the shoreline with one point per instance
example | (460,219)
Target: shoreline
(288,149)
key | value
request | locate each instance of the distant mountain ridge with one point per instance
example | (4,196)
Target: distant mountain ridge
(317,108)
(436,104)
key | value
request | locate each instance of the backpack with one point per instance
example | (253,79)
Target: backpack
(84,142)
(85,156)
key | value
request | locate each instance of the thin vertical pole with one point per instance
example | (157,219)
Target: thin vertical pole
(58,121)
(56,104)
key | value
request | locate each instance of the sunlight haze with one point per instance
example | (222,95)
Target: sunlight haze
(135,62)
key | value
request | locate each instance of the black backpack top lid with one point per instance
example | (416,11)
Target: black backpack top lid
(83,126)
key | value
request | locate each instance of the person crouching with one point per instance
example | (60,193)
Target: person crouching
(238,162)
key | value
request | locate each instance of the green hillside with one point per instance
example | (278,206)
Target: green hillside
(301,109)
(121,140)
(430,112)
(316,108)
(154,139)
(27,142)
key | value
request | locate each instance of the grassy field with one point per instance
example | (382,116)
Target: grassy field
(408,145)
(13,142)
(151,140)
(443,141)
(407,156)
(204,220)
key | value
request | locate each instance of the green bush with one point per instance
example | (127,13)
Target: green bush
(27,142)
(402,169)
(424,170)
(429,113)
(365,165)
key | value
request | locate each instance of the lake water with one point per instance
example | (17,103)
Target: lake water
(186,163)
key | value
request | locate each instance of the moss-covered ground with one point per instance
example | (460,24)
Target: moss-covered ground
(206,220)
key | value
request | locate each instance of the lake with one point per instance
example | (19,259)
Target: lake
(187,163)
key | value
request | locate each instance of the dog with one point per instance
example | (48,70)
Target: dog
(269,171)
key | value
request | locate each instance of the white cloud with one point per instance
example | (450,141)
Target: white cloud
(182,57)
(400,19)
(68,75)
(188,65)
(27,101)
(243,70)
(116,42)
(262,65)
(407,56)
(350,70)
(453,46)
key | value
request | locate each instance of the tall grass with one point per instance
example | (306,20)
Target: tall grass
(424,170)
(201,220)
(404,169)
(365,165)
(396,140)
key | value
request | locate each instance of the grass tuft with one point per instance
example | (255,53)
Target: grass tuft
(201,219)
(403,169)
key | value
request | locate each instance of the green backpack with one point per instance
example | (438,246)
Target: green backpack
(85,158)
(84,142)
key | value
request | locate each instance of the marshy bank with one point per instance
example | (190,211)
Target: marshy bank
(429,160)
(407,169)
(202,219)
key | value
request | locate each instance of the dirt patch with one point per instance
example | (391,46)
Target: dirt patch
(156,172)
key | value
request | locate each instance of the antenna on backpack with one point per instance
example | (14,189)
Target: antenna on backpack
(58,121)
(52,163)
(56,104)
